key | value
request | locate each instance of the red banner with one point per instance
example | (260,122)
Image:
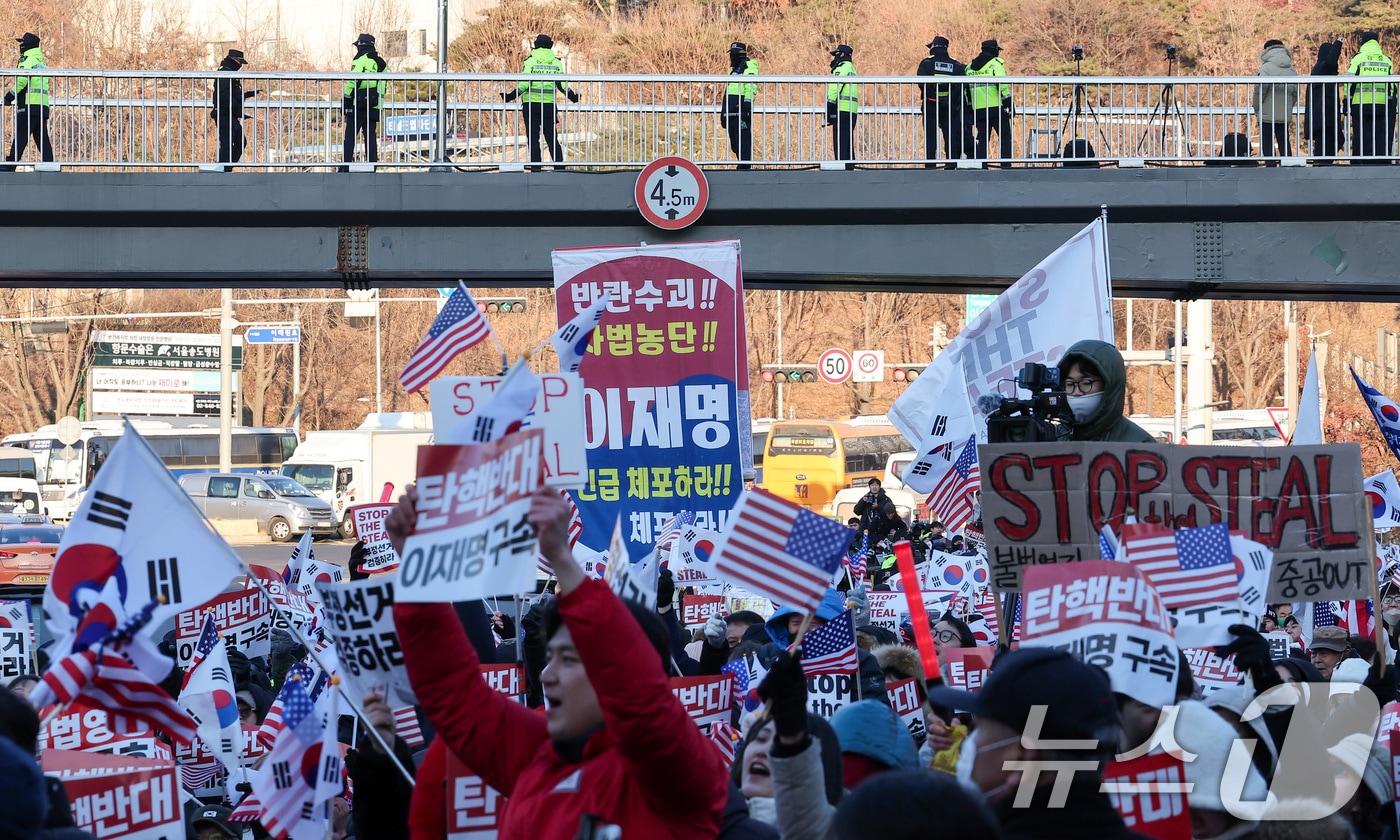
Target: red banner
(967,668)
(118,798)
(85,728)
(706,699)
(474,807)
(1149,794)
(697,609)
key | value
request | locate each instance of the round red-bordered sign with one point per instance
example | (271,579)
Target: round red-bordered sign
(671,193)
(834,366)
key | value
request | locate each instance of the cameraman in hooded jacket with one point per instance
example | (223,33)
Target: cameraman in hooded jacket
(1093,375)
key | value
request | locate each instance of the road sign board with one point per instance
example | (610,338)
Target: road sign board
(672,193)
(834,366)
(868,366)
(272,335)
(162,351)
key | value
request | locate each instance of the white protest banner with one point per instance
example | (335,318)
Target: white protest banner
(360,618)
(243,619)
(697,609)
(119,797)
(16,640)
(904,699)
(560,417)
(1149,793)
(707,700)
(290,605)
(1280,643)
(1106,614)
(828,692)
(1062,300)
(631,581)
(967,668)
(369,529)
(474,807)
(1210,671)
(473,539)
(85,728)
(888,609)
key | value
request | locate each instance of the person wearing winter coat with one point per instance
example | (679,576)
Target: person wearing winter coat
(1324,111)
(1274,101)
(1096,380)
(614,752)
(782,627)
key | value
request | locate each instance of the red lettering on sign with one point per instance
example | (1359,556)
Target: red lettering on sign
(1146,472)
(1192,473)
(1331,537)
(1106,464)
(1000,468)
(1295,501)
(1059,482)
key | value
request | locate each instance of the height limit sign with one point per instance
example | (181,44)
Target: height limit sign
(672,193)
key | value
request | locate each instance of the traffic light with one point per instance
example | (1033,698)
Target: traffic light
(493,305)
(907,373)
(790,374)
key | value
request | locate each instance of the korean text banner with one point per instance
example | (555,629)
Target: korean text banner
(1045,503)
(666,399)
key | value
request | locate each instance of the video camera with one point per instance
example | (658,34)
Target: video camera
(1045,417)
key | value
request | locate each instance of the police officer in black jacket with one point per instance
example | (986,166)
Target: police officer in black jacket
(228,108)
(944,106)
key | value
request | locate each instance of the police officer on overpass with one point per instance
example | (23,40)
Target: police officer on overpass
(31,100)
(944,111)
(842,105)
(537,94)
(362,100)
(736,115)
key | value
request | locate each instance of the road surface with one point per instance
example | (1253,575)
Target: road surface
(275,555)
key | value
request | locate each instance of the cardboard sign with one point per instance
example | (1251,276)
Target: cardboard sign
(888,609)
(560,418)
(474,807)
(828,692)
(1045,504)
(1106,614)
(472,538)
(81,727)
(904,699)
(360,618)
(707,700)
(243,619)
(1211,672)
(967,668)
(697,609)
(1149,793)
(121,798)
(16,640)
(369,529)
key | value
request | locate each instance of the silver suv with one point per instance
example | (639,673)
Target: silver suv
(284,510)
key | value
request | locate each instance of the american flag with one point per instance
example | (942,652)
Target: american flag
(247,809)
(273,723)
(671,530)
(951,499)
(1108,544)
(281,782)
(575,533)
(831,648)
(781,551)
(748,672)
(1395,576)
(857,564)
(458,326)
(406,726)
(726,740)
(113,683)
(1358,618)
(1188,567)
(200,773)
(208,637)
(1323,615)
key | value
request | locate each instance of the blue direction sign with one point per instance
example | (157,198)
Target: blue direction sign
(272,335)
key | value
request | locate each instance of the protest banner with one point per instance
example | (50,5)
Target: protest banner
(828,692)
(369,521)
(243,619)
(560,418)
(692,558)
(1105,614)
(196,762)
(697,609)
(472,538)
(360,618)
(967,668)
(1280,643)
(16,640)
(1149,793)
(904,699)
(119,797)
(82,727)
(707,700)
(666,400)
(474,807)
(1210,671)
(287,604)
(1045,504)
(1389,736)
(888,609)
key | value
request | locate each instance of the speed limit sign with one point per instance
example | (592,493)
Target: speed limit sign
(834,366)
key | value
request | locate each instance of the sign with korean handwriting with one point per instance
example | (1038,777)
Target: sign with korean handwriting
(904,699)
(360,617)
(369,529)
(888,609)
(16,640)
(697,609)
(666,401)
(558,413)
(1106,614)
(1210,671)
(243,619)
(1045,504)
(1149,793)
(472,538)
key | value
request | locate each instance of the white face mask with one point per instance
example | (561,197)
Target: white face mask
(967,754)
(1084,406)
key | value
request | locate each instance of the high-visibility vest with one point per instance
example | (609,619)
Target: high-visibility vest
(744,89)
(846,95)
(32,90)
(1370,61)
(365,64)
(543,62)
(989,94)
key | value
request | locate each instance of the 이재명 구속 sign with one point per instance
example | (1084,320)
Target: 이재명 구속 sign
(1045,504)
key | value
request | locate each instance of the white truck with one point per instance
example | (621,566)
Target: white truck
(351,467)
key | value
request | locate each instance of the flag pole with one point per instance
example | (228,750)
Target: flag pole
(1377,624)
(315,657)
(1107,266)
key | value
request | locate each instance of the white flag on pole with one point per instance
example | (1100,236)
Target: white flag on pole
(507,411)
(1307,427)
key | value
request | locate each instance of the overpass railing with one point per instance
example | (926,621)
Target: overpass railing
(163,120)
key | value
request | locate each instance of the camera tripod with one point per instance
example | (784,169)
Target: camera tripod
(1166,110)
(1079,107)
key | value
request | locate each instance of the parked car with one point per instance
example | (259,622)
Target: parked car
(28,545)
(283,509)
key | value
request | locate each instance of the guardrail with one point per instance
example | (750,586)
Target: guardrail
(157,120)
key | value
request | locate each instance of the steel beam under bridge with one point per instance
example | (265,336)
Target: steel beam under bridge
(1300,233)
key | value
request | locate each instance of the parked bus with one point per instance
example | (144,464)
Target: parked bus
(1231,427)
(808,461)
(64,472)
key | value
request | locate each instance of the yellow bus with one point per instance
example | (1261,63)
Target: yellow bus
(808,461)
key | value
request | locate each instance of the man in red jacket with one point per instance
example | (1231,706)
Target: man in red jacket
(615,748)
